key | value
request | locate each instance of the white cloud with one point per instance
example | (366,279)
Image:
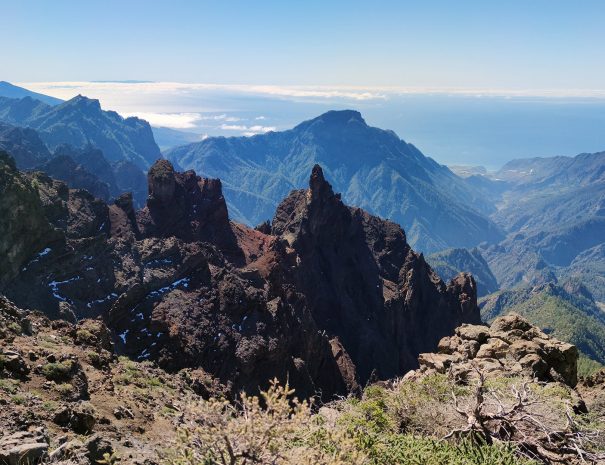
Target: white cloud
(223,117)
(168,120)
(259,118)
(248,130)
(259,129)
(233,127)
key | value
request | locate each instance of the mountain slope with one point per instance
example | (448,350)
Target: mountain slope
(168,138)
(372,168)
(11,91)
(24,145)
(81,122)
(589,268)
(448,263)
(553,211)
(24,229)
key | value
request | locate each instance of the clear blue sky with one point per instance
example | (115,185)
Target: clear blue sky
(488,44)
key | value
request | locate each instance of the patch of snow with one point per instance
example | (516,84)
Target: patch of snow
(159,261)
(100,301)
(46,251)
(54,286)
(39,255)
(183,281)
(123,336)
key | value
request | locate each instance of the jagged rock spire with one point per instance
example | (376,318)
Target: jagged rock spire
(319,187)
(161,181)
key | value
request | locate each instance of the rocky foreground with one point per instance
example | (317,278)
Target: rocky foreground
(68,398)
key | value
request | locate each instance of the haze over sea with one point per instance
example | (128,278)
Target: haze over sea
(468,127)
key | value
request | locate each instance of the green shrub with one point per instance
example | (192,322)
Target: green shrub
(407,449)
(83,336)
(15,328)
(59,371)
(10,386)
(64,389)
(49,405)
(18,399)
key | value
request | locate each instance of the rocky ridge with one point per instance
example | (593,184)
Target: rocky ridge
(331,298)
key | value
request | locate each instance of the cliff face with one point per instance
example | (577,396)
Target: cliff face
(24,230)
(377,300)
(328,296)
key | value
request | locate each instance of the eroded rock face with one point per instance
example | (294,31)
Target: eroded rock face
(185,206)
(24,229)
(510,347)
(327,296)
(365,285)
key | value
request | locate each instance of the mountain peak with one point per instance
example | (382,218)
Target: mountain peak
(342,116)
(319,187)
(82,101)
(335,118)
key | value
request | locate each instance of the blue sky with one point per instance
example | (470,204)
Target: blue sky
(535,44)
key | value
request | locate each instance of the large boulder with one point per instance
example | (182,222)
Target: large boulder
(510,347)
(23,447)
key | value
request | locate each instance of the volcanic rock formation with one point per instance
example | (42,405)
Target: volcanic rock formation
(326,295)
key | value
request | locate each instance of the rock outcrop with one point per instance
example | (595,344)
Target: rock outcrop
(327,295)
(186,206)
(24,230)
(511,346)
(357,271)
(23,447)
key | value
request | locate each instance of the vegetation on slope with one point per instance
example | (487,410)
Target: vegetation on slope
(404,423)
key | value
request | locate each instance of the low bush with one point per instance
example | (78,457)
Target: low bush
(58,371)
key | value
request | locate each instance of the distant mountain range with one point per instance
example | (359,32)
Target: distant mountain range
(82,168)
(532,234)
(535,221)
(77,142)
(553,210)
(371,167)
(11,91)
(81,122)
(551,265)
